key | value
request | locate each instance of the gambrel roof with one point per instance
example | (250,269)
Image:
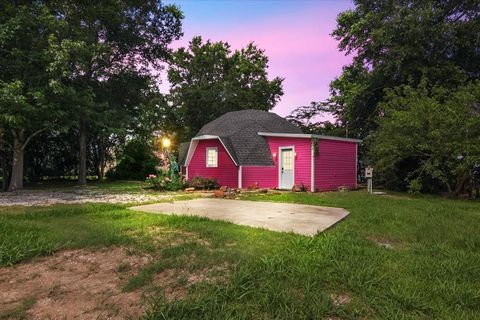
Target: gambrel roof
(238,132)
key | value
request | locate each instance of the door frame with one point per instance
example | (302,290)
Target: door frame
(280,165)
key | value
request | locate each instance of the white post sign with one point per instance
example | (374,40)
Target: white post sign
(369,176)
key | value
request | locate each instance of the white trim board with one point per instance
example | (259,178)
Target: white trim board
(240,178)
(304,135)
(312,167)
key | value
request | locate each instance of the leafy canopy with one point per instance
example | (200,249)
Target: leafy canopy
(431,134)
(395,43)
(400,43)
(209,79)
(25,104)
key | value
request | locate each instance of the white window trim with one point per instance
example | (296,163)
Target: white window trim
(206,157)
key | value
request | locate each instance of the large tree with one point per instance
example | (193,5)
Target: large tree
(208,79)
(100,41)
(429,138)
(25,105)
(399,43)
(396,43)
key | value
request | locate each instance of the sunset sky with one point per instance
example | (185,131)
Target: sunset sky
(294,34)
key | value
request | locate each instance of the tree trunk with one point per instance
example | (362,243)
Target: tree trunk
(3,166)
(82,156)
(101,160)
(460,187)
(16,181)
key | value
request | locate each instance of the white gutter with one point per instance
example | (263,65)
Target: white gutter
(312,167)
(356,167)
(304,135)
(240,177)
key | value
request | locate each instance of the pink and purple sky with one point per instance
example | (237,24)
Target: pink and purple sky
(295,35)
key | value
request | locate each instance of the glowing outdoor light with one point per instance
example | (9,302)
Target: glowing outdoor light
(166,143)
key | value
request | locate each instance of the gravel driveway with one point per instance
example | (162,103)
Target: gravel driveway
(45,198)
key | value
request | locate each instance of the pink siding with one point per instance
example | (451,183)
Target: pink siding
(265,177)
(335,165)
(226,173)
(302,160)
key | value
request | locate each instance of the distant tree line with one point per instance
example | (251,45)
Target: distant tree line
(79,87)
(412,92)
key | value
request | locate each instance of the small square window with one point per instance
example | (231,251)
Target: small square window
(212,157)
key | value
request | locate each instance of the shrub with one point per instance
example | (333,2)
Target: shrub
(165,183)
(415,186)
(136,161)
(203,183)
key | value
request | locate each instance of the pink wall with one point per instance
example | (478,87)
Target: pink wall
(335,165)
(266,177)
(302,160)
(226,173)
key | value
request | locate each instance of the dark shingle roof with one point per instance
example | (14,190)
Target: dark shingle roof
(182,153)
(238,131)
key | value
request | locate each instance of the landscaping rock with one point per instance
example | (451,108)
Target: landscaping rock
(219,194)
(296,188)
(223,188)
(190,189)
(253,186)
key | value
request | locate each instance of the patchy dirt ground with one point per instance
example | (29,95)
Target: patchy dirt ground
(85,284)
(74,284)
(45,198)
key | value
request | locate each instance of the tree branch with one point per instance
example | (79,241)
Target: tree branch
(31,136)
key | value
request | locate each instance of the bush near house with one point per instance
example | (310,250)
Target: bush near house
(203,183)
(164,182)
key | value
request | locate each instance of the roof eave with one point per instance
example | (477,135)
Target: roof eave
(305,135)
(205,137)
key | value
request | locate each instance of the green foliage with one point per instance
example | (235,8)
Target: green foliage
(429,135)
(135,162)
(412,68)
(163,182)
(208,80)
(201,183)
(415,186)
(400,43)
(85,68)
(395,43)
(308,118)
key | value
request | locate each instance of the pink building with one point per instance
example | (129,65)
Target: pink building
(248,147)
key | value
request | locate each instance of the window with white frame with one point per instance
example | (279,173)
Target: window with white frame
(212,157)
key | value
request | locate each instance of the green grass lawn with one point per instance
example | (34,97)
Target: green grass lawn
(394,257)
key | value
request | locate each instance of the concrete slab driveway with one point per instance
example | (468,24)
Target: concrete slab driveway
(302,219)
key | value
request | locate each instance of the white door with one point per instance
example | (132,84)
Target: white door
(286,168)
